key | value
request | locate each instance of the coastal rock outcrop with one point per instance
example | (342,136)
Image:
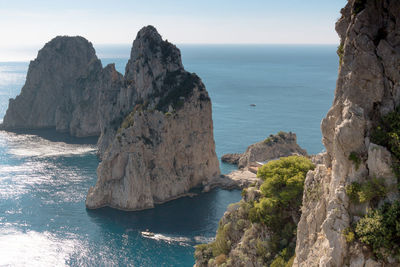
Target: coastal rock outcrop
(275,146)
(62,89)
(163,144)
(368,88)
(154,123)
(259,230)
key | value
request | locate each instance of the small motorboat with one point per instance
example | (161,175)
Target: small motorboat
(252,105)
(147,233)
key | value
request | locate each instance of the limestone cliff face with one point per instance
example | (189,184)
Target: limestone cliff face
(164,143)
(62,89)
(368,87)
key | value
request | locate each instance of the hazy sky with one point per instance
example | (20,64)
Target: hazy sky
(33,23)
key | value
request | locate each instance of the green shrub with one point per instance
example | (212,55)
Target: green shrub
(269,140)
(352,191)
(222,245)
(128,121)
(282,192)
(284,180)
(387,134)
(370,190)
(355,158)
(177,87)
(349,235)
(262,249)
(282,134)
(380,229)
(284,259)
(244,192)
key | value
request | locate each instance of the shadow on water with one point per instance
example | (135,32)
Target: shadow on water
(52,135)
(184,216)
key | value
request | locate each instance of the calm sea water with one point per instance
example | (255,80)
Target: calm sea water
(44,178)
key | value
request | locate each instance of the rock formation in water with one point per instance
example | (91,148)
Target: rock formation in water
(62,89)
(155,124)
(159,141)
(368,88)
(275,146)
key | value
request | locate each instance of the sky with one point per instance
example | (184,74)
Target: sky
(30,24)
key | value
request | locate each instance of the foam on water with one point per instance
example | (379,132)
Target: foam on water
(33,248)
(25,145)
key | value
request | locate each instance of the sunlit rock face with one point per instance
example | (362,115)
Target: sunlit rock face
(368,87)
(154,124)
(275,146)
(163,144)
(62,89)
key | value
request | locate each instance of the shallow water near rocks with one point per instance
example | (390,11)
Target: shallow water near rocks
(44,177)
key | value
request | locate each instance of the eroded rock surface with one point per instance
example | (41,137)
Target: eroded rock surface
(62,89)
(163,145)
(154,123)
(274,147)
(368,87)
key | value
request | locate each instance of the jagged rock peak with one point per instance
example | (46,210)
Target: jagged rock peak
(152,54)
(159,143)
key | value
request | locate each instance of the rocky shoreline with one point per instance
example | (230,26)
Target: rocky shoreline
(273,147)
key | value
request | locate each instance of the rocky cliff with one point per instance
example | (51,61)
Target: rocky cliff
(62,89)
(275,146)
(368,89)
(350,209)
(162,145)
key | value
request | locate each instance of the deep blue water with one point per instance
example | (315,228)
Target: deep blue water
(44,178)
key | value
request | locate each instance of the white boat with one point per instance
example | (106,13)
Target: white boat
(147,234)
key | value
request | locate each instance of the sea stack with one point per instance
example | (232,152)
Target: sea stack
(154,123)
(163,144)
(62,89)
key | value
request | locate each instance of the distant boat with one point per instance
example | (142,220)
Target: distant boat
(147,234)
(252,105)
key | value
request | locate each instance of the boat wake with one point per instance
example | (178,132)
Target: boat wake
(182,241)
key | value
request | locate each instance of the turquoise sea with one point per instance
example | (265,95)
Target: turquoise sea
(44,176)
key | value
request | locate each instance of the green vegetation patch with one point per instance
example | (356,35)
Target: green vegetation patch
(349,235)
(282,192)
(356,159)
(178,85)
(271,139)
(380,229)
(284,259)
(370,190)
(387,134)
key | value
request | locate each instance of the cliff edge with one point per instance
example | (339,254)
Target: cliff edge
(356,178)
